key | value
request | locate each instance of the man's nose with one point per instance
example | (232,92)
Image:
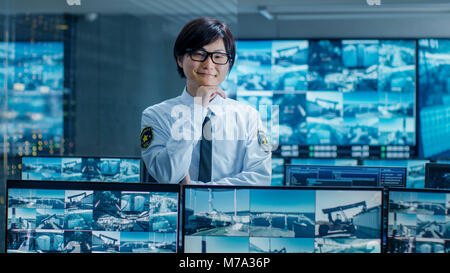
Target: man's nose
(208,62)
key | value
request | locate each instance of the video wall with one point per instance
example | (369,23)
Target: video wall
(277,220)
(332,92)
(32,80)
(434,96)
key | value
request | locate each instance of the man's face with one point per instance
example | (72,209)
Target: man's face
(205,73)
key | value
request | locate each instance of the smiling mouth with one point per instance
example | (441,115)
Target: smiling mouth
(206,74)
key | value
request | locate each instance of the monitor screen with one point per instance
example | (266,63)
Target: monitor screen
(281,220)
(434,97)
(34,79)
(349,176)
(101,169)
(277,172)
(437,176)
(55,217)
(418,221)
(331,92)
(325,161)
(415,169)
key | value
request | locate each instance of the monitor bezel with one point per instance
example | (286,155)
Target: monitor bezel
(231,187)
(76,185)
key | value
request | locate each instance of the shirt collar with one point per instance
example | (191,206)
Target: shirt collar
(213,105)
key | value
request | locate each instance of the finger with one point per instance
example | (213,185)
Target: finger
(221,93)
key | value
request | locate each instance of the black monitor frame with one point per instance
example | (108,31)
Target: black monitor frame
(141,164)
(407,190)
(428,172)
(349,167)
(205,187)
(65,185)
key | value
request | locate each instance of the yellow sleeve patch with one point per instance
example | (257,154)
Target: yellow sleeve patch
(146,137)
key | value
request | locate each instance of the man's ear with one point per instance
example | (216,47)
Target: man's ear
(180,61)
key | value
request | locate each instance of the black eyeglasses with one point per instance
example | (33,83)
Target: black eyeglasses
(200,55)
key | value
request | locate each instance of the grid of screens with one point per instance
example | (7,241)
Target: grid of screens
(415,169)
(280,220)
(332,92)
(88,218)
(434,96)
(419,221)
(34,78)
(352,176)
(81,169)
(437,176)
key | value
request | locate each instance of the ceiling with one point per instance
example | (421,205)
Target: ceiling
(179,10)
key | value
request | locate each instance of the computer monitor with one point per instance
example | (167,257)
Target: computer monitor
(415,169)
(437,176)
(445,161)
(344,176)
(418,221)
(325,161)
(91,217)
(71,168)
(224,219)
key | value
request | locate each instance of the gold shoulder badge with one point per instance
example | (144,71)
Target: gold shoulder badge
(146,137)
(262,140)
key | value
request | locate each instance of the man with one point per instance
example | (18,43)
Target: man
(202,136)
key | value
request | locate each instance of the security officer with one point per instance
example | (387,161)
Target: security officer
(202,136)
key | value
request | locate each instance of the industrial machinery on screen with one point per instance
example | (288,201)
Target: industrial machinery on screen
(84,221)
(280,220)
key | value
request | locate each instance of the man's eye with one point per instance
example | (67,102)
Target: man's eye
(199,53)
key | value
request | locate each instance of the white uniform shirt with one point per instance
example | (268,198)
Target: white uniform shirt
(239,155)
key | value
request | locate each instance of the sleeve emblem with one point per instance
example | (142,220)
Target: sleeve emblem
(146,137)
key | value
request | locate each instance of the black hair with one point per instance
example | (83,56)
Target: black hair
(200,32)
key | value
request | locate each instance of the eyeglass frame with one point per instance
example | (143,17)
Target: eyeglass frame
(208,54)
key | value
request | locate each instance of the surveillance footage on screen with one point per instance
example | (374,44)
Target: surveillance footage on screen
(282,220)
(418,222)
(84,221)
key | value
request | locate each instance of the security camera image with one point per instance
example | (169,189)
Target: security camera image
(348,214)
(81,169)
(34,75)
(253,65)
(277,220)
(85,221)
(290,65)
(418,221)
(438,176)
(277,172)
(333,92)
(340,245)
(217,212)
